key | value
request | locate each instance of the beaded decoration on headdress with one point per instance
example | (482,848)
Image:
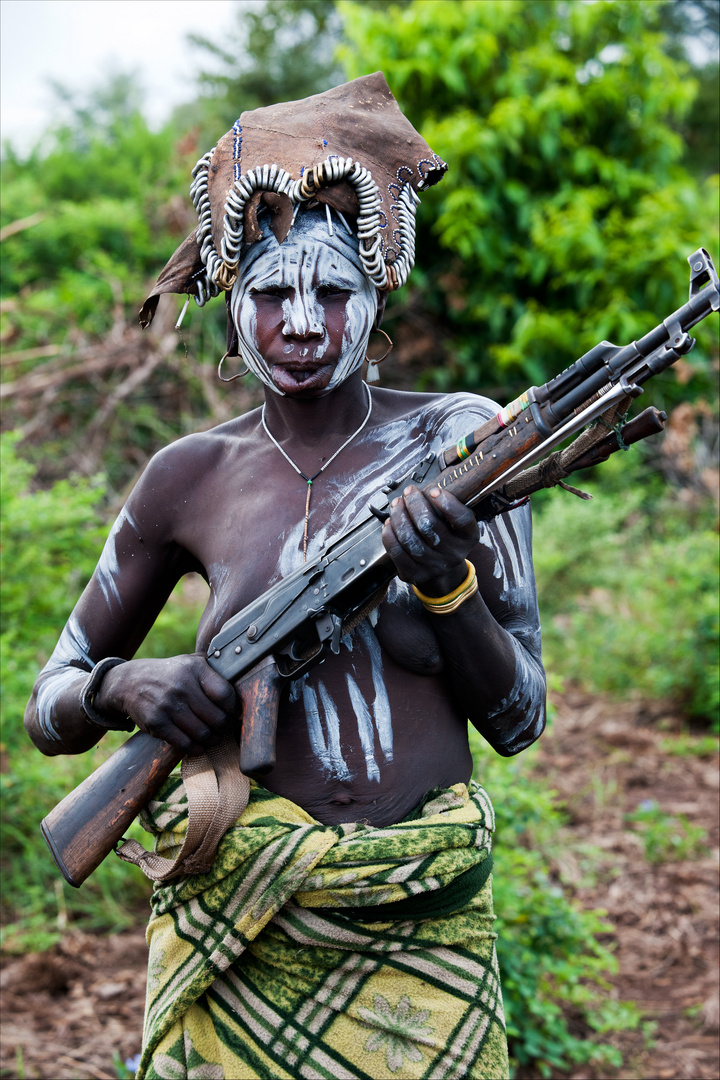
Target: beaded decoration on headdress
(376,165)
(221,269)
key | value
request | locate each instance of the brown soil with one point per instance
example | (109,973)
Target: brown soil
(67,1012)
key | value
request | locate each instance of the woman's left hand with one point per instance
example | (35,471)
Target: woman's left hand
(429,538)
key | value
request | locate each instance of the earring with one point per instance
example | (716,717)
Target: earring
(239,375)
(373,364)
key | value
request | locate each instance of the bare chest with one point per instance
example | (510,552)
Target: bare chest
(248,526)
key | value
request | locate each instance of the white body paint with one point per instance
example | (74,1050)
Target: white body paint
(309,257)
(71,650)
(107,569)
(400,445)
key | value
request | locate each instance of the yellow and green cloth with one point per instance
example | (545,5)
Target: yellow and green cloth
(318,951)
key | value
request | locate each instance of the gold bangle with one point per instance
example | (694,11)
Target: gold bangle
(445,605)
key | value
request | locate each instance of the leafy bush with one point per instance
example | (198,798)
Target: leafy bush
(50,543)
(566,195)
(628,594)
(552,961)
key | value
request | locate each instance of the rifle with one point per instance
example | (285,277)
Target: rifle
(300,620)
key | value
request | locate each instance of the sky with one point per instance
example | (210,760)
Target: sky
(76,42)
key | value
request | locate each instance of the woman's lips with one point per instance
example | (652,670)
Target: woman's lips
(289,377)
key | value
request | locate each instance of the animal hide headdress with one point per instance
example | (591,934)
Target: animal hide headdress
(350,148)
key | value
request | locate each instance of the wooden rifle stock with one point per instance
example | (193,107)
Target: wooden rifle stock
(92,820)
(89,822)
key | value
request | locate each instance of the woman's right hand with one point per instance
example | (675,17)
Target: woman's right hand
(180,700)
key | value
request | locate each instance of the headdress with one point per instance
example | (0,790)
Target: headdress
(350,148)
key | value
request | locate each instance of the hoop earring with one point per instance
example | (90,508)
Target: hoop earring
(373,364)
(239,375)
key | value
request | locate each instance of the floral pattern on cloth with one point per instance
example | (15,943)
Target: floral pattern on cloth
(401,1030)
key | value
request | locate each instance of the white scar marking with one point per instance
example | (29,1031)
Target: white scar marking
(487,539)
(381,705)
(72,646)
(47,698)
(526,699)
(315,732)
(218,573)
(332,727)
(125,515)
(108,567)
(297,687)
(288,559)
(510,548)
(365,728)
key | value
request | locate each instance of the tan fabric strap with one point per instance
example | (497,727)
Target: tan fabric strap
(217,794)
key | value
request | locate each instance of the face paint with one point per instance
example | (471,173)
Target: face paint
(303,309)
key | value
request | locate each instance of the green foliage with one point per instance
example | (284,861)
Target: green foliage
(565,216)
(552,960)
(104,185)
(51,540)
(628,593)
(99,206)
(123,1069)
(693,29)
(667,837)
(50,543)
(687,745)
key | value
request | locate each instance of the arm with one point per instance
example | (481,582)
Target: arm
(180,700)
(491,643)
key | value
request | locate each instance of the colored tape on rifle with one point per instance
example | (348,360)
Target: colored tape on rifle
(513,410)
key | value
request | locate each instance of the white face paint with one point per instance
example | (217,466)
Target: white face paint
(306,265)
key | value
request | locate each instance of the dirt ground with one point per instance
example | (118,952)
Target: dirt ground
(68,1013)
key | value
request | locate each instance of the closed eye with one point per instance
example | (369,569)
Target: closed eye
(272,290)
(326,289)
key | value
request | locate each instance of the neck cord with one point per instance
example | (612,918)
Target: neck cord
(309,479)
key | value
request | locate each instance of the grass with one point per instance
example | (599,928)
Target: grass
(667,837)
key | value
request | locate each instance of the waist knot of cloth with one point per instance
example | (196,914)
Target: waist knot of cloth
(423,866)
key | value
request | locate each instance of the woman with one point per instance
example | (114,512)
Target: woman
(345,927)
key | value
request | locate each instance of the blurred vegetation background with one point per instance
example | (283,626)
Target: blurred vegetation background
(583,149)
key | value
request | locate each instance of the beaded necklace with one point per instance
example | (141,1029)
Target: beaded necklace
(309,479)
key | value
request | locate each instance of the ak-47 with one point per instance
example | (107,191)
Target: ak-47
(297,622)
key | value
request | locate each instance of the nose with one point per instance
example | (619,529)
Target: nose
(304,318)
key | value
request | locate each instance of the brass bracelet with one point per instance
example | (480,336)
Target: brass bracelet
(445,605)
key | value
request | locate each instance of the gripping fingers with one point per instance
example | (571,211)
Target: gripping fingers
(185,732)
(405,531)
(423,516)
(219,691)
(458,516)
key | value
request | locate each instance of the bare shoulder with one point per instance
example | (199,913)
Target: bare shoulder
(448,415)
(192,457)
(175,475)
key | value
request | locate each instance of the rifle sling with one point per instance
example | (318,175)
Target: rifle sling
(217,794)
(556,467)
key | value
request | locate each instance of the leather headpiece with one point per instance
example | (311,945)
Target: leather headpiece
(350,148)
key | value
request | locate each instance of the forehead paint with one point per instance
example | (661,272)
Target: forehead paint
(309,258)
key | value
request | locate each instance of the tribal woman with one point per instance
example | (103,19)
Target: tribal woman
(345,926)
